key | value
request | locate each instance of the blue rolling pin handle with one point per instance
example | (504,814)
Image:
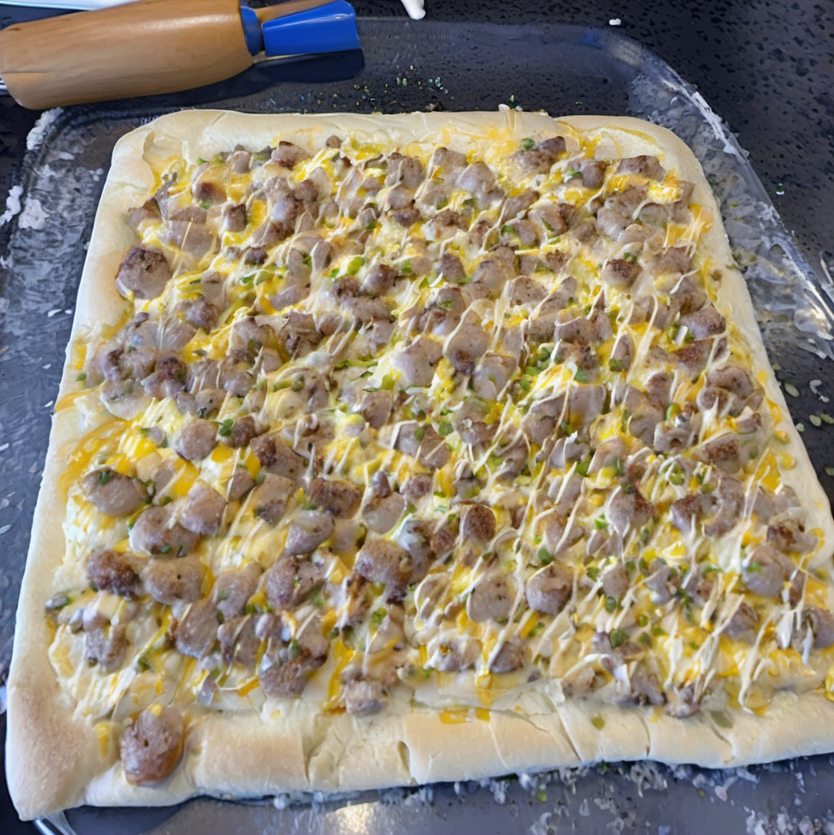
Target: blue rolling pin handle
(328,28)
(252,30)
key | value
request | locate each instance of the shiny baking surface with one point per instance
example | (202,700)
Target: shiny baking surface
(561,69)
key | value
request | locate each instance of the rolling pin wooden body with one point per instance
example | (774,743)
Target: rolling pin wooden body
(138,49)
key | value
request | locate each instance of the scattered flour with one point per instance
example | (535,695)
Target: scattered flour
(12,204)
(46,120)
(33,216)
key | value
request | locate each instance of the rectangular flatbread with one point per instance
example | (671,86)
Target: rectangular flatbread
(400,449)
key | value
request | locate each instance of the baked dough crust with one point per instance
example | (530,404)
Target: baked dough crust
(55,756)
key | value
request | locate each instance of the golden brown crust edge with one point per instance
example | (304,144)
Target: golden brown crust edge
(51,754)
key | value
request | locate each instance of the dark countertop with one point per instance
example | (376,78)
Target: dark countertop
(765,66)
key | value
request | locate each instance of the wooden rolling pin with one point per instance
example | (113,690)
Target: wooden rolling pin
(138,49)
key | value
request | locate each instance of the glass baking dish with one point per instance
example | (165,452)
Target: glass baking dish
(427,66)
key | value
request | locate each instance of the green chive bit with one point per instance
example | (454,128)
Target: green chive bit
(721,719)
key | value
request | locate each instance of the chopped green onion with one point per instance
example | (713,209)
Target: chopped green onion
(378,616)
(355,264)
(721,719)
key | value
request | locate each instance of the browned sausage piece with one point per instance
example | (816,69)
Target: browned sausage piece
(113,493)
(549,589)
(512,656)
(341,498)
(821,622)
(290,581)
(276,457)
(765,570)
(153,534)
(144,272)
(288,675)
(645,165)
(197,439)
(364,697)
(233,588)
(242,432)
(381,561)
(629,508)
(417,361)
(174,581)
(381,514)
(307,531)
(241,483)
(270,497)
(743,624)
(113,572)
(615,581)
(490,599)
(196,632)
(105,645)
(202,510)
(375,407)
(288,154)
(478,523)
(151,746)
(620,272)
